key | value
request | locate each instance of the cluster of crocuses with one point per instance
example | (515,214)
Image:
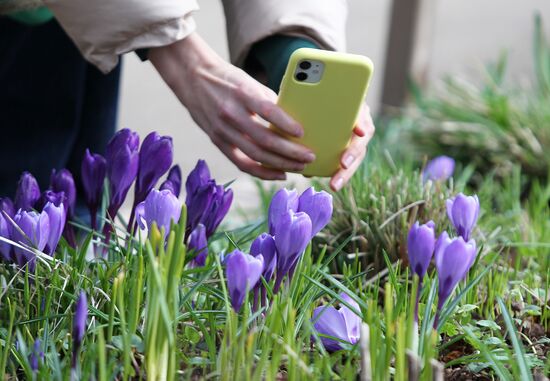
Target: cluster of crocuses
(453,255)
(293,220)
(36,220)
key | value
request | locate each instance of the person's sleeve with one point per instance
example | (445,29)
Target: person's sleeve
(104,29)
(322,22)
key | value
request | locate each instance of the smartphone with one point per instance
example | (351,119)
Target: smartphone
(324,91)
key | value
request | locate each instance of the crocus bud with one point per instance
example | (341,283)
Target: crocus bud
(79,323)
(293,235)
(62,181)
(264,245)
(217,209)
(50,196)
(283,201)
(420,247)
(463,212)
(122,166)
(173,181)
(453,259)
(36,232)
(6,210)
(161,207)
(243,271)
(36,356)
(318,206)
(57,216)
(27,193)
(93,170)
(199,244)
(341,323)
(196,179)
(155,158)
(440,168)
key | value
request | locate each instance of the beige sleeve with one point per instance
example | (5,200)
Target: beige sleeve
(104,29)
(249,21)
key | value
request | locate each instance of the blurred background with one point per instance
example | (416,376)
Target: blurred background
(456,37)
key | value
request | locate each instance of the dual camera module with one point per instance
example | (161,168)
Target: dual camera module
(309,71)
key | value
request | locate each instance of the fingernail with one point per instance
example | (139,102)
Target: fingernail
(309,157)
(282,176)
(339,183)
(348,160)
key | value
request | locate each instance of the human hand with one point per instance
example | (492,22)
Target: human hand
(356,151)
(229,106)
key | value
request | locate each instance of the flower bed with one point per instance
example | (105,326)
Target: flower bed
(408,273)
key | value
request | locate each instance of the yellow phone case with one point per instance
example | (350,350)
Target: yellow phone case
(328,109)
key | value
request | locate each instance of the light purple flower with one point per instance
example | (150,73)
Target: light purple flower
(283,201)
(318,206)
(36,232)
(62,181)
(122,166)
(420,247)
(342,324)
(293,235)
(439,168)
(199,244)
(453,259)
(27,193)
(161,207)
(155,158)
(6,210)
(173,181)
(50,196)
(93,171)
(217,209)
(264,245)
(57,216)
(197,178)
(463,212)
(79,324)
(243,272)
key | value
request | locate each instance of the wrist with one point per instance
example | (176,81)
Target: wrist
(183,61)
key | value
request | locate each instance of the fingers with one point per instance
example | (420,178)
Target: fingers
(265,105)
(355,150)
(343,175)
(246,164)
(241,120)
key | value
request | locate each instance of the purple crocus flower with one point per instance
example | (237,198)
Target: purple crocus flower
(155,158)
(420,247)
(283,201)
(293,235)
(79,324)
(342,324)
(453,259)
(36,356)
(122,166)
(34,230)
(57,216)
(197,178)
(199,244)
(161,207)
(217,209)
(439,168)
(93,170)
(27,193)
(62,181)
(6,210)
(50,196)
(463,212)
(173,181)
(264,245)
(243,272)
(318,206)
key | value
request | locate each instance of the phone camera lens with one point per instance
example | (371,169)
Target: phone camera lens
(301,76)
(304,65)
